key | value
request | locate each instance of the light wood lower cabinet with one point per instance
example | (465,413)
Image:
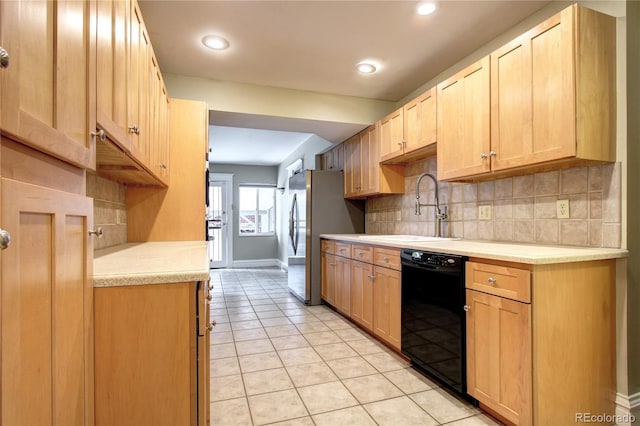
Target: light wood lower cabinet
(499,354)
(365,288)
(152,351)
(387,297)
(362,293)
(46,297)
(545,361)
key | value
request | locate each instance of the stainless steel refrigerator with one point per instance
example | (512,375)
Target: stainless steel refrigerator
(317,206)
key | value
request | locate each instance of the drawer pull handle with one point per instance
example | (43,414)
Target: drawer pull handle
(386,259)
(466,308)
(491,280)
(371,277)
(209,297)
(361,254)
(210,326)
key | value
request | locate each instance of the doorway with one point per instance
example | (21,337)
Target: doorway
(219,220)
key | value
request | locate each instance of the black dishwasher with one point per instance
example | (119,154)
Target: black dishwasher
(433,317)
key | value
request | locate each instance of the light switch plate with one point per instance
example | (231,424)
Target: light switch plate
(562,207)
(484,212)
(398,215)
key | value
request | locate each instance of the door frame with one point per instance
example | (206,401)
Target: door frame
(227,180)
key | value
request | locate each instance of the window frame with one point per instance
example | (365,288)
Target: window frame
(272,219)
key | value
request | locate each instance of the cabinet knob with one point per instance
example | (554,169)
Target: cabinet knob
(5,239)
(400,143)
(491,280)
(210,326)
(209,297)
(98,232)
(134,129)
(386,259)
(4,58)
(466,308)
(100,134)
(483,155)
(492,154)
(371,277)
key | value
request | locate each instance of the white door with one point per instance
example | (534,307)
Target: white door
(219,220)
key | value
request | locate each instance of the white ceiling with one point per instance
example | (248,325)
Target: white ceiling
(315,45)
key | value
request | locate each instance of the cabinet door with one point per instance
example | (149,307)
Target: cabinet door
(463,122)
(533,96)
(146,355)
(48,93)
(343,285)
(370,160)
(362,293)
(352,164)
(499,355)
(420,122)
(328,267)
(112,66)
(159,140)
(391,135)
(387,295)
(138,90)
(46,307)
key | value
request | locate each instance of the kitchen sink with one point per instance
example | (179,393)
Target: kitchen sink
(404,238)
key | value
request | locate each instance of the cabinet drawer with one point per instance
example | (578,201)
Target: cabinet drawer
(509,282)
(343,249)
(388,258)
(328,246)
(362,253)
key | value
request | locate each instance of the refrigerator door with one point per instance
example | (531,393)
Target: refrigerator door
(322,209)
(297,231)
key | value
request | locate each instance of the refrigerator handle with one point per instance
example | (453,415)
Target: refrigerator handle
(293,224)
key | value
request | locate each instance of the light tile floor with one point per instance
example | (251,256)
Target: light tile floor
(276,361)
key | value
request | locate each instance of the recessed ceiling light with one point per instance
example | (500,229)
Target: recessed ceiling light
(367,67)
(215,42)
(426,8)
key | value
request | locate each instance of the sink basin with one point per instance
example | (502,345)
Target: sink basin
(404,238)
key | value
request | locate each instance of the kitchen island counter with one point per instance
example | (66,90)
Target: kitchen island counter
(532,254)
(151,263)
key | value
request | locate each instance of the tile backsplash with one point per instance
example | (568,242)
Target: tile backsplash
(523,208)
(109,210)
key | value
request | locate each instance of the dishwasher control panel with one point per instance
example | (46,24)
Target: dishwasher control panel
(430,258)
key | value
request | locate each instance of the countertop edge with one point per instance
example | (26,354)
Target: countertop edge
(163,262)
(491,250)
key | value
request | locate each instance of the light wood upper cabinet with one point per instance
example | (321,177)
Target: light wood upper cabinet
(48,91)
(552,100)
(409,133)
(132,102)
(352,166)
(46,306)
(392,135)
(364,175)
(553,92)
(463,122)
(112,70)
(333,159)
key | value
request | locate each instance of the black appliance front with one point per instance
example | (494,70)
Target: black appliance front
(433,318)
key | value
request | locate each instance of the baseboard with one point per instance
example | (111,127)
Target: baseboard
(624,406)
(257,263)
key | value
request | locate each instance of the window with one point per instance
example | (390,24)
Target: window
(257,210)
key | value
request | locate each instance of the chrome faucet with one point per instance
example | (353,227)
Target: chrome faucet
(440,214)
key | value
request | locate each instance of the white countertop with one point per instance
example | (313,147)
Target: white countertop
(151,263)
(520,253)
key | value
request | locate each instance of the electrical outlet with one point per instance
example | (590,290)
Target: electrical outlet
(484,212)
(562,207)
